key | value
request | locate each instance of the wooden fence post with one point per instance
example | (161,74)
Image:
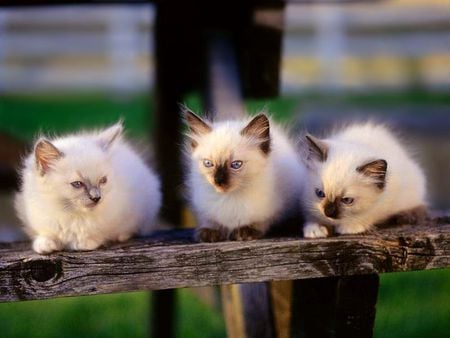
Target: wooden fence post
(335,307)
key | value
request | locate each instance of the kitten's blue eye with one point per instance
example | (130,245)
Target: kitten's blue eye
(208,163)
(347,200)
(236,164)
(77,184)
(320,193)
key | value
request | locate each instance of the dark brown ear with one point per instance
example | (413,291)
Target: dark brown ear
(317,149)
(196,125)
(46,153)
(259,128)
(376,170)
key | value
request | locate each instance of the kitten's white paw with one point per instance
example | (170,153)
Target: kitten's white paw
(123,237)
(44,245)
(348,230)
(86,245)
(314,230)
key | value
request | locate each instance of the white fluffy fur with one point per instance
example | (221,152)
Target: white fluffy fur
(337,176)
(56,215)
(268,184)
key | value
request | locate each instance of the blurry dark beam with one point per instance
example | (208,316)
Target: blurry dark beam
(260,51)
(179,52)
(11,151)
(9,179)
(167,140)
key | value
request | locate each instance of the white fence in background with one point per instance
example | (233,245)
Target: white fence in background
(76,47)
(325,47)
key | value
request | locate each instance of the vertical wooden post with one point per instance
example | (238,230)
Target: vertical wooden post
(232,310)
(173,67)
(335,307)
(248,310)
(281,299)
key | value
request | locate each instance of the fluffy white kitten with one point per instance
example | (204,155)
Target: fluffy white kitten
(243,176)
(81,191)
(360,177)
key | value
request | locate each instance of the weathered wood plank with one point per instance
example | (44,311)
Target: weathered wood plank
(172,260)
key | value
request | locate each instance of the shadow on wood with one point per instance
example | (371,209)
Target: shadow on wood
(335,307)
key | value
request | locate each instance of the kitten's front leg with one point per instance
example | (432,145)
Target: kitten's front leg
(211,232)
(45,245)
(314,230)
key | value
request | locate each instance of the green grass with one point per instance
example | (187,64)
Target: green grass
(122,315)
(104,316)
(414,305)
(25,116)
(410,304)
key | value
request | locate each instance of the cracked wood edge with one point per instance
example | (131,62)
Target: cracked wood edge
(170,259)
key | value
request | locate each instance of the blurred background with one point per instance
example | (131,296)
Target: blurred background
(72,67)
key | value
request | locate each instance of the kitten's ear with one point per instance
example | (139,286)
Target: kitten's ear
(46,154)
(259,128)
(317,149)
(108,136)
(376,170)
(197,125)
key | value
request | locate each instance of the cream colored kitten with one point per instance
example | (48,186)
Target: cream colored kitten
(360,177)
(81,191)
(243,176)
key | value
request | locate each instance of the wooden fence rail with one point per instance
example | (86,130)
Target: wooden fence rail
(171,259)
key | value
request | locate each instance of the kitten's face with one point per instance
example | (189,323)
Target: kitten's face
(339,190)
(82,186)
(336,201)
(80,176)
(229,156)
(229,168)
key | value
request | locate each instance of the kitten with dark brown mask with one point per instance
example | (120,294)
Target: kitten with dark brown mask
(243,176)
(360,177)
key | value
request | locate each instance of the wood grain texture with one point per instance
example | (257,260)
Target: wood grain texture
(233,311)
(281,299)
(171,259)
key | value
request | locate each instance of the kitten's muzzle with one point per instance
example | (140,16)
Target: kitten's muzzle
(95,199)
(331,210)
(94,195)
(221,176)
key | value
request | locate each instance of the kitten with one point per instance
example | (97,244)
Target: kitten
(81,191)
(360,177)
(244,175)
